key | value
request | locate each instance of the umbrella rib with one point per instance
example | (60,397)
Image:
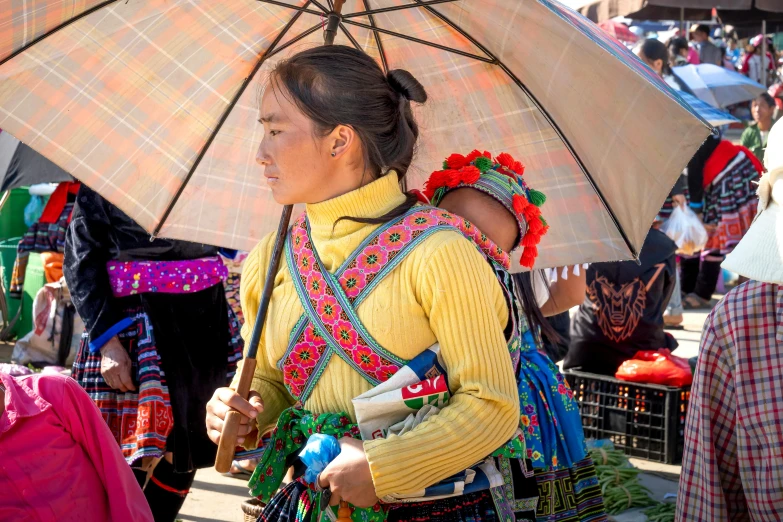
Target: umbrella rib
(292,41)
(224,117)
(381,50)
(351,38)
(54,30)
(395,8)
(301,9)
(423,42)
(546,115)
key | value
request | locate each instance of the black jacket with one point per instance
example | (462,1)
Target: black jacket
(623,308)
(100,232)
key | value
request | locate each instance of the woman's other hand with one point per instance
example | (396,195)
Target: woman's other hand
(116,366)
(226,399)
(349,477)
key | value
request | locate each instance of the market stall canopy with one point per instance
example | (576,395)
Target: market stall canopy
(730,11)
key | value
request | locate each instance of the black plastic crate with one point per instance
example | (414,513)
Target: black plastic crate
(646,421)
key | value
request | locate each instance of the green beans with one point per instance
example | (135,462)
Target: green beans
(604,457)
(619,482)
(663,512)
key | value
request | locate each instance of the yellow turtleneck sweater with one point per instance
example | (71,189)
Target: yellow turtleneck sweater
(445,291)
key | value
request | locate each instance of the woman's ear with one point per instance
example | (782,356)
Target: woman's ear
(341,140)
(658,65)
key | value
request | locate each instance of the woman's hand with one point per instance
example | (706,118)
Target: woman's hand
(226,399)
(116,366)
(679,200)
(348,476)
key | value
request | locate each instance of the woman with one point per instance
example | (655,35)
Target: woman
(653,53)
(160,337)
(755,135)
(339,135)
(722,180)
(678,52)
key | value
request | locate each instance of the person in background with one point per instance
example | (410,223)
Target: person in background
(721,178)
(58,459)
(708,51)
(678,52)
(755,135)
(733,52)
(622,311)
(752,65)
(731,467)
(160,338)
(653,53)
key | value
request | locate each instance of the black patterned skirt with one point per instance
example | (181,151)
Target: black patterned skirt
(182,347)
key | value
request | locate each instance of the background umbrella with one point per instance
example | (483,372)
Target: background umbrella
(717,86)
(618,31)
(154,104)
(21,166)
(714,116)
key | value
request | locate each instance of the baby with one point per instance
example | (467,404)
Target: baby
(492,195)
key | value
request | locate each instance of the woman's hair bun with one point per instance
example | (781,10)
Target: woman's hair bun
(404,83)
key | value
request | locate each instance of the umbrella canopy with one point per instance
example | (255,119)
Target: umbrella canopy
(21,166)
(713,115)
(157,108)
(717,86)
(618,31)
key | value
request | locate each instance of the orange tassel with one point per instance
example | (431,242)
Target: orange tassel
(505,160)
(344,512)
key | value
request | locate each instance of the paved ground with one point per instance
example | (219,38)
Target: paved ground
(217,498)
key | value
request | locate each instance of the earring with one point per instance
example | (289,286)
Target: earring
(334,154)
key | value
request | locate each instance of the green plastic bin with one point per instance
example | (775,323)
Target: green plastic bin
(12,214)
(35,279)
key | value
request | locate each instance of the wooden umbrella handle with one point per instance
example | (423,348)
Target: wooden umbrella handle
(228,437)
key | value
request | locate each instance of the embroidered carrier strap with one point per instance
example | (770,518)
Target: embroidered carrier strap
(330,324)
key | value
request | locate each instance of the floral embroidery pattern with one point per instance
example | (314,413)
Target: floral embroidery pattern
(308,353)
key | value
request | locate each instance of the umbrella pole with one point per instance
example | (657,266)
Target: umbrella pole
(228,437)
(764,53)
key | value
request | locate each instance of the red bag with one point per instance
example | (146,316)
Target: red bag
(656,367)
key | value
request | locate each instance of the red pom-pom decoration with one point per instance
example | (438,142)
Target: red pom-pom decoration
(420,196)
(505,160)
(518,167)
(529,255)
(519,203)
(456,161)
(470,174)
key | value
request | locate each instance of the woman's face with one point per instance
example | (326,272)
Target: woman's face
(655,65)
(298,163)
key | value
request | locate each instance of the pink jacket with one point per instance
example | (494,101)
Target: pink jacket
(58,459)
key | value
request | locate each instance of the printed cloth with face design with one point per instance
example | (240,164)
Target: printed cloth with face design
(623,309)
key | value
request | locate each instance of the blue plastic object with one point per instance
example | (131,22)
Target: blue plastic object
(319,451)
(33,210)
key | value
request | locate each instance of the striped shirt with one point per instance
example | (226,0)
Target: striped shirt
(733,462)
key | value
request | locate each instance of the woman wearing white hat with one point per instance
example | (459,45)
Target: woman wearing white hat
(731,467)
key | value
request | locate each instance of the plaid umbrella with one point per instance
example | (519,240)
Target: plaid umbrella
(154,104)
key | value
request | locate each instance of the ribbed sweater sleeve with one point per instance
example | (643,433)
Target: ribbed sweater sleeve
(458,291)
(268,379)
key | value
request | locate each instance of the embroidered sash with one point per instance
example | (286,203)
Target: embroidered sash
(330,324)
